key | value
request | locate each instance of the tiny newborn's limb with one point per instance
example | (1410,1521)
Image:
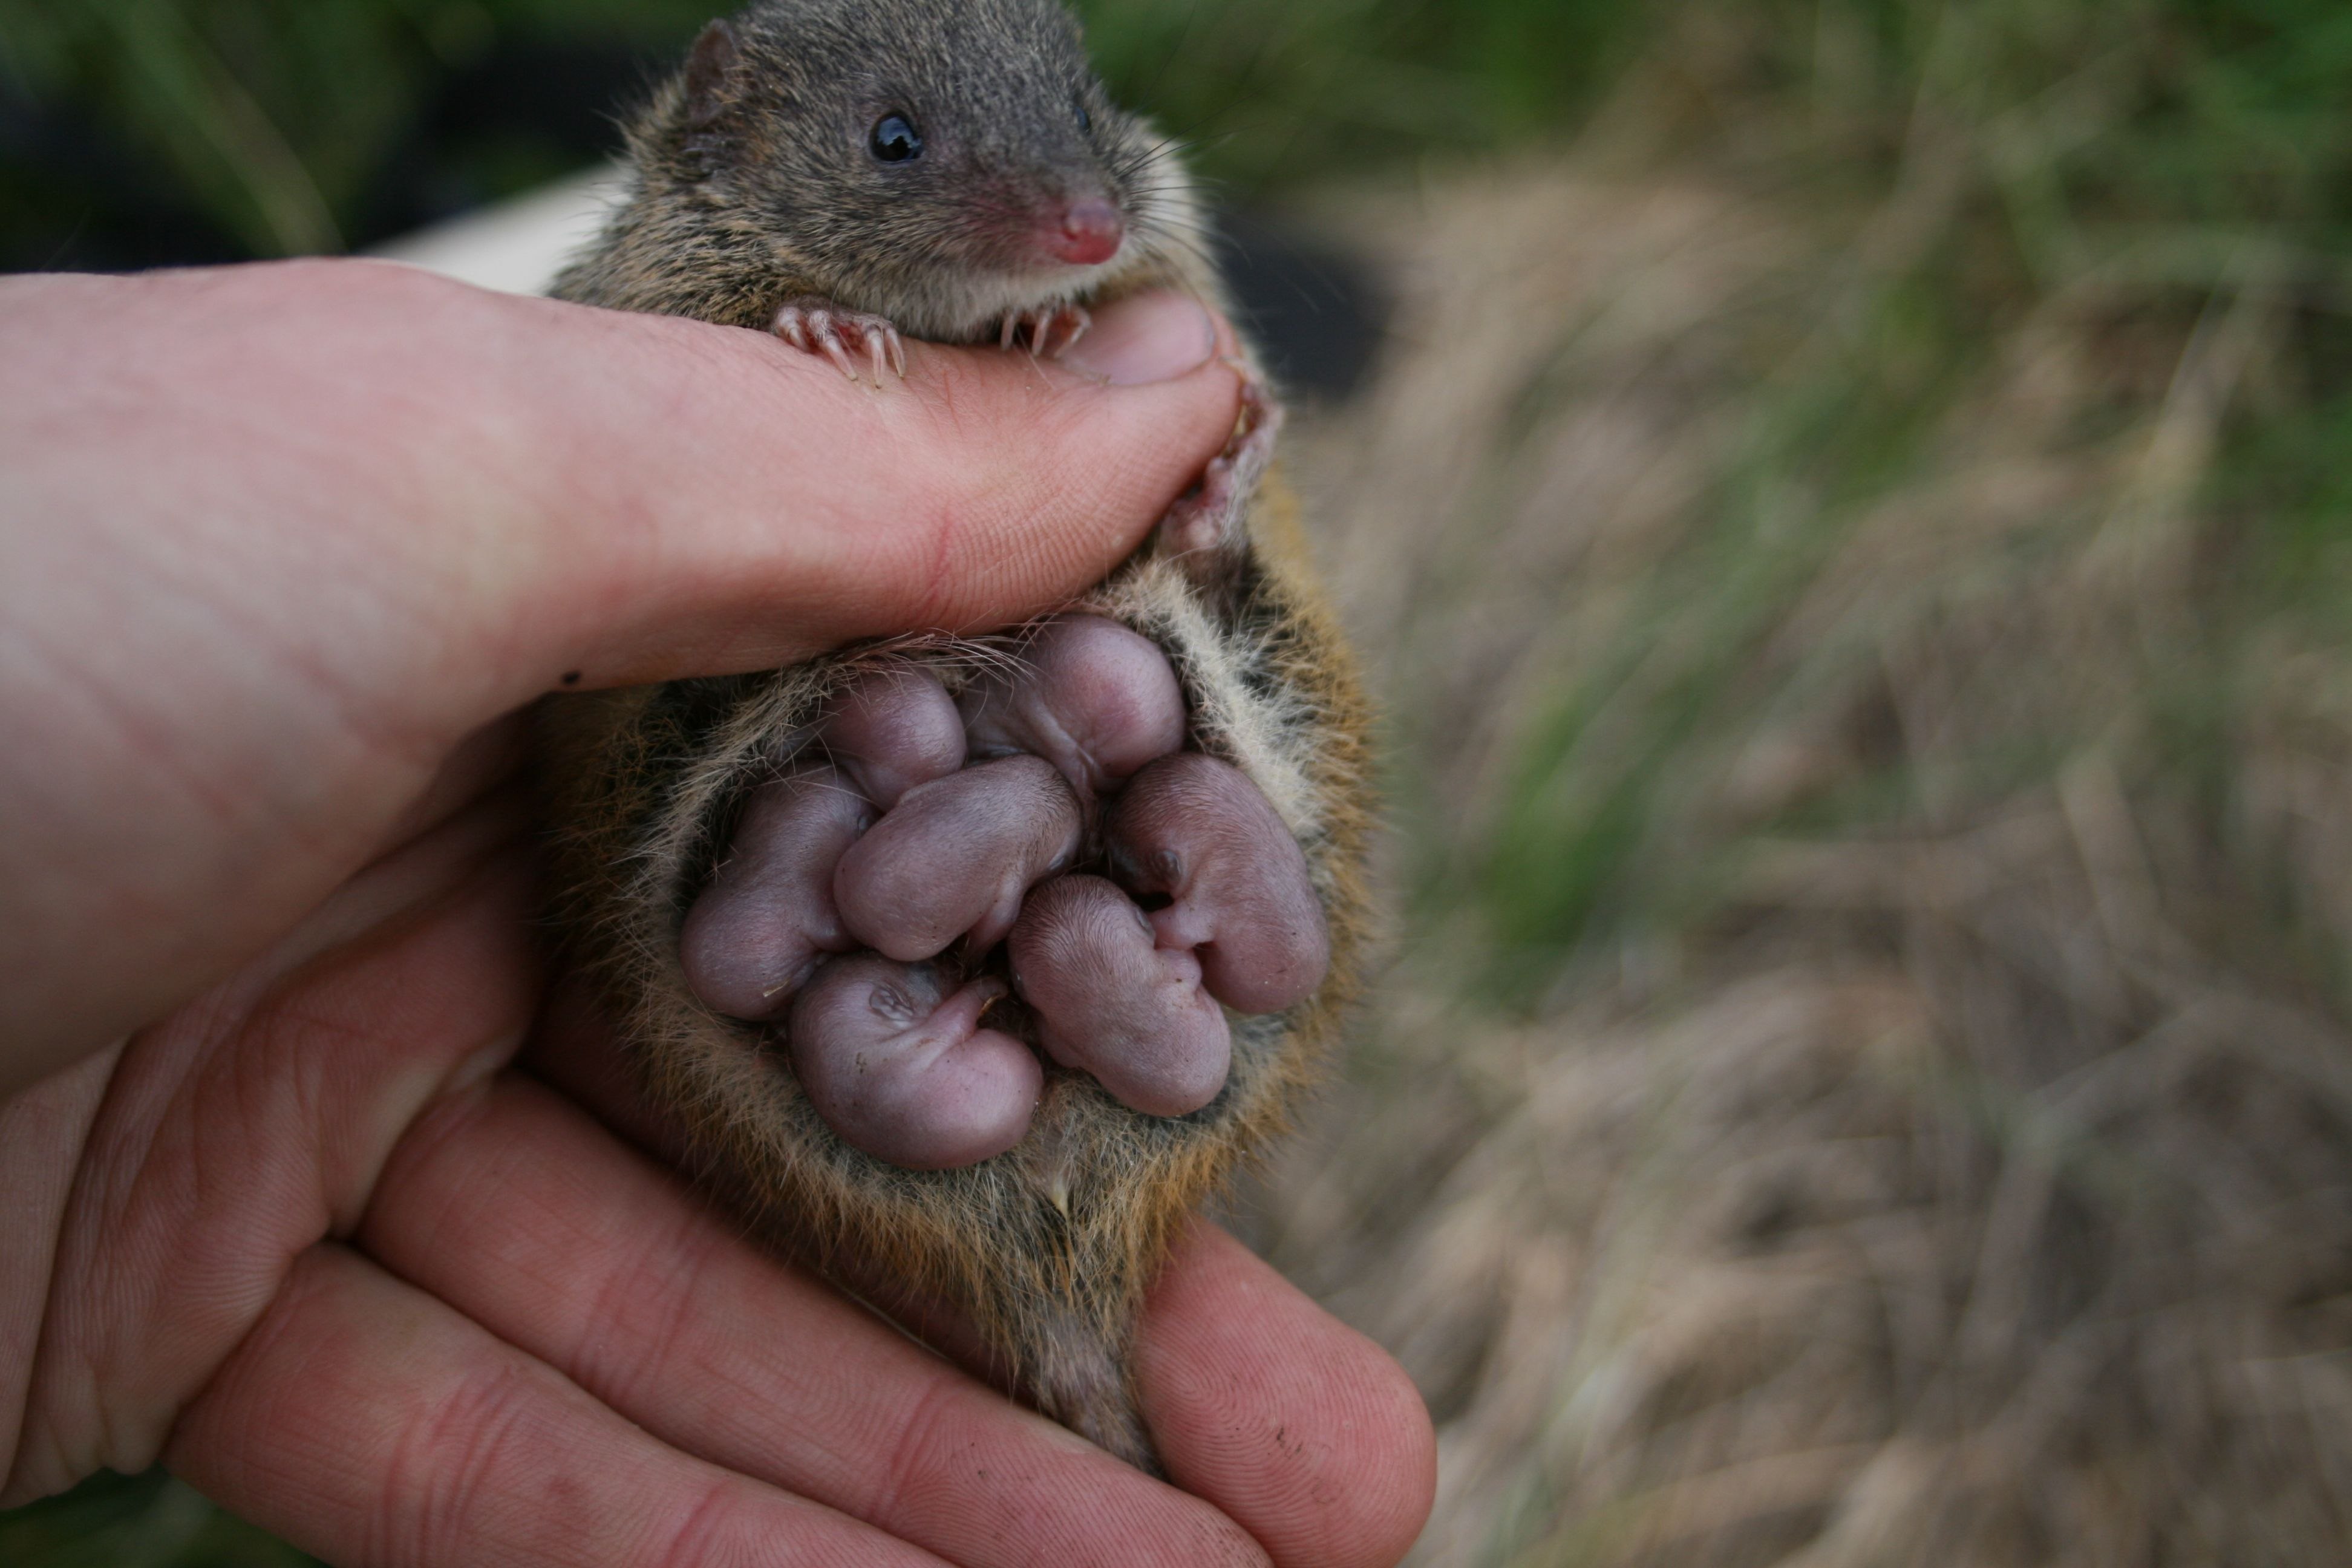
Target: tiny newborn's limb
(956,855)
(1092,698)
(897,1064)
(1111,1003)
(818,325)
(1194,829)
(893,728)
(768,917)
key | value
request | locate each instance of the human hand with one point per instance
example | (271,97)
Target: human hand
(307,1238)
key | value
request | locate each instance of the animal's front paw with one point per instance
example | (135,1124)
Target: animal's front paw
(1050,332)
(1045,838)
(816,325)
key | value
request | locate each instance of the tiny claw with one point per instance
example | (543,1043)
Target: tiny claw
(1039,328)
(815,325)
(830,340)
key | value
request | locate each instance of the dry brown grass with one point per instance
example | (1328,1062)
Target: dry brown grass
(1961,1176)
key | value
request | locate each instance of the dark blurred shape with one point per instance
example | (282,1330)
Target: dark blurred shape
(1313,307)
(71,198)
(530,111)
(75,197)
(114,1521)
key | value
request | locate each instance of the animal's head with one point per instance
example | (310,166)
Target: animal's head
(940,164)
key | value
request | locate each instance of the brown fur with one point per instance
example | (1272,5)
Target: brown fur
(1049,1247)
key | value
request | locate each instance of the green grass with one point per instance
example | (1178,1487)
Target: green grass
(2145,166)
(146,1521)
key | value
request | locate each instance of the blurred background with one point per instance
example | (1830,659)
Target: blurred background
(1849,505)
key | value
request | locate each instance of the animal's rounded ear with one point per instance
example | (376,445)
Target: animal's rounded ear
(709,75)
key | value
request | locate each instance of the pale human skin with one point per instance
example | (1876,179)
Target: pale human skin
(283,550)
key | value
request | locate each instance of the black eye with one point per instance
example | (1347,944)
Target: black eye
(1085,121)
(896,140)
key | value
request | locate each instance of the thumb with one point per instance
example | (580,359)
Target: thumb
(725,502)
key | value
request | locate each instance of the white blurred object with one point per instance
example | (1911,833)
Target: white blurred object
(517,247)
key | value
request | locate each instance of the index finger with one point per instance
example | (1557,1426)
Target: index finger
(1298,1428)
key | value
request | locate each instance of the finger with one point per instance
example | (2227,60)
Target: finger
(368,1424)
(519,1211)
(1294,1425)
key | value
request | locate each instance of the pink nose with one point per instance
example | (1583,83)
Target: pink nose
(1088,234)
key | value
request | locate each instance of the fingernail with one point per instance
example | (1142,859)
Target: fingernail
(1152,337)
